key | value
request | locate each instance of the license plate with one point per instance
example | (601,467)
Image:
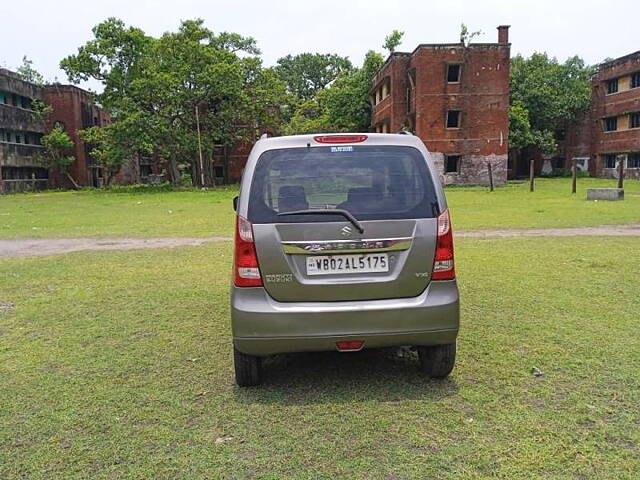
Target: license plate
(336,264)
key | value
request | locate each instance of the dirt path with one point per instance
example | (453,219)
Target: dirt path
(48,246)
(598,231)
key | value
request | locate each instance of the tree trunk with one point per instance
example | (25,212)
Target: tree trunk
(173,171)
(195,174)
(73,182)
(227,155)
(135,166)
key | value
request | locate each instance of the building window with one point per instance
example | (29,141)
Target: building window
(561,135)
(612,86)
(610,160)
(453,119)
(634,120)
(611,124)
(452,163)
(218,172)
(635,80)
(453,73)
(633,160)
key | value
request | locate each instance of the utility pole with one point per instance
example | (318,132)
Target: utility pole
(531,175)
(620,172)
(490,169)
(200,148)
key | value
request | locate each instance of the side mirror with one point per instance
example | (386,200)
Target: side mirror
(235,203)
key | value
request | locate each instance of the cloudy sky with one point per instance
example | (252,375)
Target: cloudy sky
(48,30)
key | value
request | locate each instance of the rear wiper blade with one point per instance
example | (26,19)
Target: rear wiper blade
(327,211)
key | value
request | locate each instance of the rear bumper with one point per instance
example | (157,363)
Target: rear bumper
(264,326)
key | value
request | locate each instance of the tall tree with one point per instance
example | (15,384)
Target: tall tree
(545,96)
(343,107)
(347,101)
(156,85)
(308,73)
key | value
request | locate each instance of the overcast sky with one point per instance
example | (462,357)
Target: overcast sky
(48,30)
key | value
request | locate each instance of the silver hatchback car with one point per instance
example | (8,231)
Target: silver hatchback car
(342,242)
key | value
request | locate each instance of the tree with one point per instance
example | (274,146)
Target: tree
(153,85)
(342,107)
(307,73)
(119,143)
(310,117)
(393,40)
(58,147)
(29,74)
(347,101)
(521,133)
(466,36)
(545,96)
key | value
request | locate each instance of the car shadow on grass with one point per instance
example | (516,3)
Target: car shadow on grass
(385,375)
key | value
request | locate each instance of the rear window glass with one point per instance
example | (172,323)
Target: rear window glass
(371,182)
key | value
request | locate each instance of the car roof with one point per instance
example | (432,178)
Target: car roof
(292,141)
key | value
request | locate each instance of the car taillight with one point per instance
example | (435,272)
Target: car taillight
(340,138)
(443,266)
(245,260)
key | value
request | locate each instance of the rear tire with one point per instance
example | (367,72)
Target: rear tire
(248,369)
(437,361)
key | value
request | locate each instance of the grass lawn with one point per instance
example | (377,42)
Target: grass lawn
(95,213)
(200,214)
(113,368)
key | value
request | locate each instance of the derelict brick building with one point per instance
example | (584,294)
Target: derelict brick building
(74,110)
(455,97)
(21,130)
(615,117)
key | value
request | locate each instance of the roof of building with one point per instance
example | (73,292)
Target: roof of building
(438,46)
(618,61)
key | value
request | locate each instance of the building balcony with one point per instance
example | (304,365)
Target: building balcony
(21,155)
(15,118)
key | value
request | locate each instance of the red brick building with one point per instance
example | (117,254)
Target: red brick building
(605,135)
(22,165)
(455,97)
(21,131)
(615,117)
(74,110)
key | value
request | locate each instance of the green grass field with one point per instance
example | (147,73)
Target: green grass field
(201,214)
(118,365)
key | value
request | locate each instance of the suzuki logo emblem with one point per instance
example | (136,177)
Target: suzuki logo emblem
(346,231)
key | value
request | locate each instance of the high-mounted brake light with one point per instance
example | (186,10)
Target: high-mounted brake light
(246,272)
(340,138)
(443,265)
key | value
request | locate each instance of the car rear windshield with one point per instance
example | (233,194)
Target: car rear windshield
(370,182)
